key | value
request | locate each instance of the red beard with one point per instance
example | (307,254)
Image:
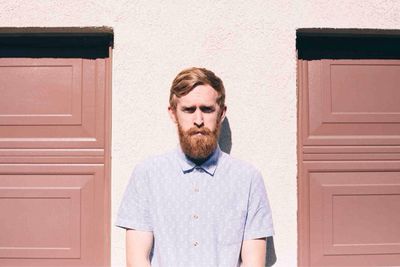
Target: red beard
(198,146)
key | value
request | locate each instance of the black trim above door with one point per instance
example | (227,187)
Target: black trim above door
(74,42)
(314,44)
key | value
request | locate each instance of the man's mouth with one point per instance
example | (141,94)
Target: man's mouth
(199,133)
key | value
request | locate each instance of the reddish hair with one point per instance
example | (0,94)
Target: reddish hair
(188,79)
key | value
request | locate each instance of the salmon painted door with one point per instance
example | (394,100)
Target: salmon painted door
(349,162)
(54,161)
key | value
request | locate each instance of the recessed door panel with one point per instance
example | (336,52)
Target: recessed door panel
(52,103)
(354,213)
(41,92)
(352,102)
(40,222)
(50,214)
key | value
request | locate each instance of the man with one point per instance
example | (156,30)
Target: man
(196,205)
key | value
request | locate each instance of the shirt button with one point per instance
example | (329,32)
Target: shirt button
(195,243)
(199,169)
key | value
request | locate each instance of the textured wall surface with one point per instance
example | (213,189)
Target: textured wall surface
(249,44)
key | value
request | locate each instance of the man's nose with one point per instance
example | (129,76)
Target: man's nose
(198,118)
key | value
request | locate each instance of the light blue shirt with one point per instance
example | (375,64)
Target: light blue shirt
(199,215)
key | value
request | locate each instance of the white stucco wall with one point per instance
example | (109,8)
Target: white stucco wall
(249,44)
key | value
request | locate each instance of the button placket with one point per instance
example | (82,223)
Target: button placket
(196,189)
(197,179)
(197,173)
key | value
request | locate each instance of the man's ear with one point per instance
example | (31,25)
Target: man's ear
(222,114)
(172,114)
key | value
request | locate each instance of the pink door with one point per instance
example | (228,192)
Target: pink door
(54,161)
(349,162)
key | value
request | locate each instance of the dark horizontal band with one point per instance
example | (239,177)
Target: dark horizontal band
(314,44)
(88,42)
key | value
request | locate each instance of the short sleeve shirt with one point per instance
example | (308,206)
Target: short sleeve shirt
(199,215)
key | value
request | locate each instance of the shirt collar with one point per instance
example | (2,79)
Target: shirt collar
(209,165)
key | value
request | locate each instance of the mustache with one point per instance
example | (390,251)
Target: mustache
(196,130)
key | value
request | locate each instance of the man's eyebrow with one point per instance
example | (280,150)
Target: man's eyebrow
(195,107)
(188,107)
(207,106)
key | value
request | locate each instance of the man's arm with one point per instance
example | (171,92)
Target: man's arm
(254,252)
(138,247)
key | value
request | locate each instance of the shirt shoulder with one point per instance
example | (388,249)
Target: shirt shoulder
(236,171)
(156,163)
(230,162)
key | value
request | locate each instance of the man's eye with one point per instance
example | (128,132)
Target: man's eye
(207,109)
(189,110)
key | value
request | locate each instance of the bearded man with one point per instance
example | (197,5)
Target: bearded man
(196,205)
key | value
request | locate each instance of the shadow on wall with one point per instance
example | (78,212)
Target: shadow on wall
(271,256)
(225,143)
(225,137)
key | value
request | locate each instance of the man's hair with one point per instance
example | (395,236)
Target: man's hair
(189,78)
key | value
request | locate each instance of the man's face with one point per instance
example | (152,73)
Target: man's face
(198,117)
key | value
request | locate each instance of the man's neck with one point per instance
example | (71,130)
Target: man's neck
(200,161)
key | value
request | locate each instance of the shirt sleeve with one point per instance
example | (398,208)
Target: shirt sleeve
(259,216)
(134,210)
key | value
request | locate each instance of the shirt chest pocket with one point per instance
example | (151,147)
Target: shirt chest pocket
(231,226)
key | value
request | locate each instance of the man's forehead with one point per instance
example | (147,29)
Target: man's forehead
(198,102)
(200,95)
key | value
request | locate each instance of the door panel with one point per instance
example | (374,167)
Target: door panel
(51,212)
(48,91)
(354,213)
(352,102)
(52,103)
